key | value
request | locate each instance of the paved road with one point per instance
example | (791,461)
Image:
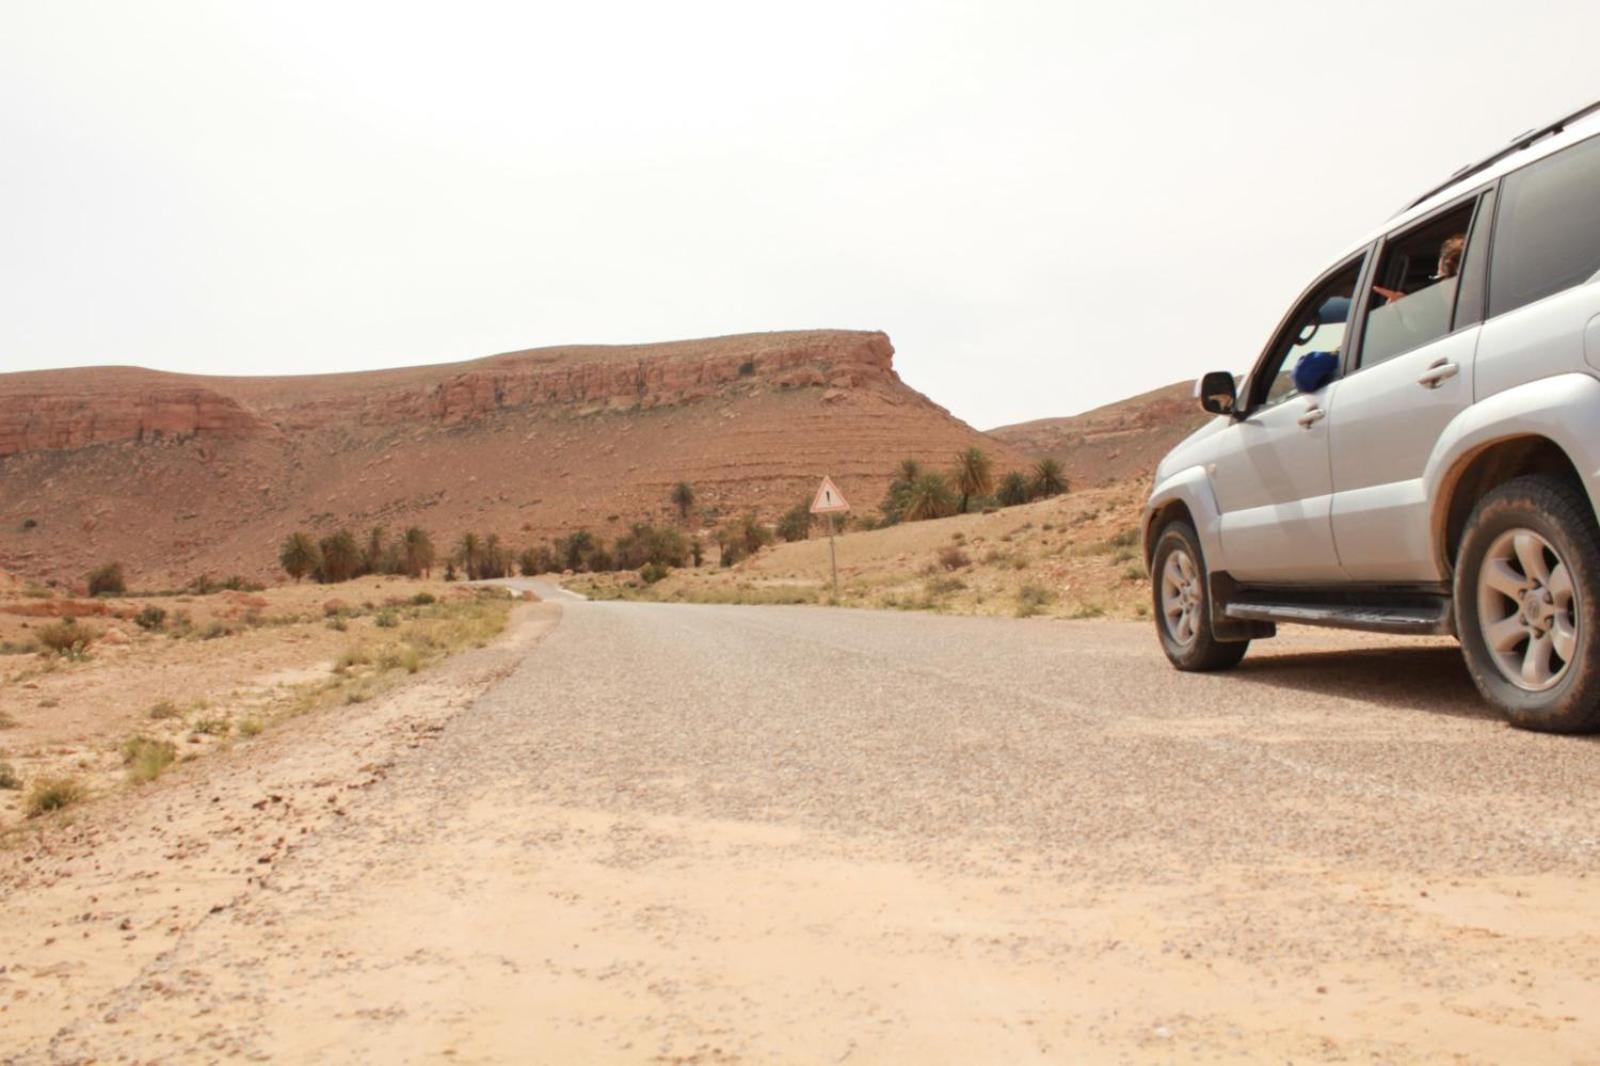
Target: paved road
(721,834)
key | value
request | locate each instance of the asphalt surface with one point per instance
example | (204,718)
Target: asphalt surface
(715,834)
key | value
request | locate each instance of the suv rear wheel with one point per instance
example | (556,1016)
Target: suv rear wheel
(1183,604)
(1528,604)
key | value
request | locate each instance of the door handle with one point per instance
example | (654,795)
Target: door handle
(1312,416)
(1438,373)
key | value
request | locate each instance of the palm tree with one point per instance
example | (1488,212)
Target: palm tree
(909,471)
(930,496)
(468,549)
(372,561)
(341,557)
(974,475)
(1014,489)
(1048,480)
(418,552)
(683,498)
(299,555)
(494,557)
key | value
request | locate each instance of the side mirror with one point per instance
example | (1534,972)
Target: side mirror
(1217,392)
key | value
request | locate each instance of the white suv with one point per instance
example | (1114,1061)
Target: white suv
(1417,450)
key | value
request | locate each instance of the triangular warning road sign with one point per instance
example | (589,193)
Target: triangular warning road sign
(829,499)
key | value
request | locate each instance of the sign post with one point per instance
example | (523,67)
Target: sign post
(830,501)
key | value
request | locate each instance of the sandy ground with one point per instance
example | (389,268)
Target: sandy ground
(669,833)
(219,662)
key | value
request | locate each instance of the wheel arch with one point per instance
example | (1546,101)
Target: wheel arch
(1477,473)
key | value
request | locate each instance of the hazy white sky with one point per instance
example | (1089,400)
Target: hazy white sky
(1046,205)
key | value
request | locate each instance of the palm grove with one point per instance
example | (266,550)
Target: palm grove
(653,549)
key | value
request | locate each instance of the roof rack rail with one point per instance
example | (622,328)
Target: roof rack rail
(1521,142)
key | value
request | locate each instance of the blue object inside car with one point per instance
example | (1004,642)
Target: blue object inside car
(1314,370)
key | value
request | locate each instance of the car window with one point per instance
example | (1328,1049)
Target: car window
(1413,292)
(1317,325)
(1547,234)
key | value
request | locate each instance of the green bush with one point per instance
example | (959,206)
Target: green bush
(650,573)
(106,580)
(299,555)
(423,599)
(386,620)
(150,617)
(796,522)
(9,781)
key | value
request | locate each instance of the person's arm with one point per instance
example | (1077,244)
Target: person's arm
(1389,295)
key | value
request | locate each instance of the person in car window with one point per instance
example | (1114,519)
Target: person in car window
(1449,266)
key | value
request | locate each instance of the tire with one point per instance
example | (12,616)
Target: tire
(1527,601)
(1182,603)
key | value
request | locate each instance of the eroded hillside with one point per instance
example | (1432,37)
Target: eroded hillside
(175,474)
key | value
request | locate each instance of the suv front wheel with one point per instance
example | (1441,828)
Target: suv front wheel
(1183,604)
(1527,608)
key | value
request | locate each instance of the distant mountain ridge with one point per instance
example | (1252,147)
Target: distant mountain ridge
(175,474)
(1113,443)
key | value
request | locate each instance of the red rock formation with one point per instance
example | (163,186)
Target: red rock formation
(527,444)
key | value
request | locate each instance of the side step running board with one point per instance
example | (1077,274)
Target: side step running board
(1415,619)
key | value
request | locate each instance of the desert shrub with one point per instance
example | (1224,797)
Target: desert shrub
(337,624)
(697,551)
(29,523)
(146,758)
(951,557)
(796,522)
(1124,555)
(9,781)
(215,629)
(943,586)
(1088,610)
(53,794)
(150,617)
(1032,599)
(164,709)
(652,572)
(1134,573)
(250,727)
(299,555)
(422,599)
(212,727)
(65,637)
(1126,539)
(747,368)
(386,620)
(106,580)
(8,647)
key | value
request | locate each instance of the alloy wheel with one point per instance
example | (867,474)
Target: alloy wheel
(1528,610)
(1181,597)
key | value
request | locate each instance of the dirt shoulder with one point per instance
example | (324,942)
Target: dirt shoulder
(180,676)
(95,904)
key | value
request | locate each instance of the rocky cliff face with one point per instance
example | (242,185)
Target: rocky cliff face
(51,418)
(175,475)
(73,409)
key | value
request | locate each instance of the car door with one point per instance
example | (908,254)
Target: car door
(1410,374)
(1271,477)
